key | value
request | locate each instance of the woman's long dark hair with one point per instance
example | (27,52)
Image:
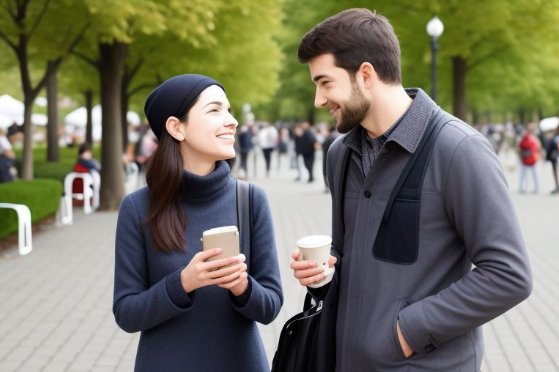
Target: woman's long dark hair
(164,179)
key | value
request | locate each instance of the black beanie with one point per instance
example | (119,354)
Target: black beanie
(174,98)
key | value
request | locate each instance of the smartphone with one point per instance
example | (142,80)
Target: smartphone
(226,238)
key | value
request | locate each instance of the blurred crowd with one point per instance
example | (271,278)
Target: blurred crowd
(532,146)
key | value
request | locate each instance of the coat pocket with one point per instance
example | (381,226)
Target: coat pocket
(401,305)
(397,239)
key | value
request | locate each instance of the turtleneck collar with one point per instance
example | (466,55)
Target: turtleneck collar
(195,186)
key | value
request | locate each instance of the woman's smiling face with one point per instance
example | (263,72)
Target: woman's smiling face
(209,133)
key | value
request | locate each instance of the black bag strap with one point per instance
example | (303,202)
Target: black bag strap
(410,182)
(244,216)
(341,169)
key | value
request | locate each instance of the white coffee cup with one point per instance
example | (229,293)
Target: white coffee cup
(317,248)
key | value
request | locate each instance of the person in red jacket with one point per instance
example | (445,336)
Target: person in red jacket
(529,149)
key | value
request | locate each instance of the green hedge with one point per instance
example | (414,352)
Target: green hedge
(55,171)
(42,196)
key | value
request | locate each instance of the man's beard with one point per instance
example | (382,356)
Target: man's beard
(354,110)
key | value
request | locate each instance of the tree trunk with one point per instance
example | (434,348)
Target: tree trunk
(53,153)
(459,70)
(123,113)
(27,161)
(310,115)
(522,116)
(111,60)
(28,98)
(88,94)
(475,117)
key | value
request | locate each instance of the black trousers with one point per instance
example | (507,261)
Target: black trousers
(555,178)
(244,158)
(5,164)
(268,158)
(309,162)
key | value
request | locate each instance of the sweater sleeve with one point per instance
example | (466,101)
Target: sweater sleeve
(137,306)
(479,207)
(265,296)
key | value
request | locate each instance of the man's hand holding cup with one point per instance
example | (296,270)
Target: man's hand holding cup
(313,265)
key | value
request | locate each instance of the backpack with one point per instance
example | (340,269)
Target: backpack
(552,152)
(528,150)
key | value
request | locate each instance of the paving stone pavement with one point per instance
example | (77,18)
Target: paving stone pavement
(55,303)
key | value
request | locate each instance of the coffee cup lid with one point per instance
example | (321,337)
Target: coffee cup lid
(314,241)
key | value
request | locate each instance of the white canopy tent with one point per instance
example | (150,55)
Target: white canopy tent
(548,124)
(12,110)
(76,120)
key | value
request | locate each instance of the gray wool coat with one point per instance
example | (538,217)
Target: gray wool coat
(471,265)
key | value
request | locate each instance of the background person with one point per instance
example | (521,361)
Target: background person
(552,155)
(529,149)
(86,159)
(245,146)
(308,147)
(267,141)
(7,158)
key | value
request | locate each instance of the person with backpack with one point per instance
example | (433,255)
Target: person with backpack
(422,261)
(529,149)
(194,313)
(552,155)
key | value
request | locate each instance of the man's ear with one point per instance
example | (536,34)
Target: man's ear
(368,74)
(173,126)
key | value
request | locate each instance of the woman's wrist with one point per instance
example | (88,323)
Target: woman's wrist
(240,289)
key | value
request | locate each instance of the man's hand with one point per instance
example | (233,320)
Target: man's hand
(408,351)
(308,272)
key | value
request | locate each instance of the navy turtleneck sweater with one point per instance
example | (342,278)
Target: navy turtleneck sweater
(208,329)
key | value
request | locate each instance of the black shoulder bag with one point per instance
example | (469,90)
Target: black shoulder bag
(308,340)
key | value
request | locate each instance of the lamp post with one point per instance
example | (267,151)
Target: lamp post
(434,29)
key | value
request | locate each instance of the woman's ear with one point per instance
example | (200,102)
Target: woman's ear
(173,126)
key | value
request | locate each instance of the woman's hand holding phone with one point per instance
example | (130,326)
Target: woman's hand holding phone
(229,273)
(239,285)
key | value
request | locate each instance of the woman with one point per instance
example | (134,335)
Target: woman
(86,159)
(194,315)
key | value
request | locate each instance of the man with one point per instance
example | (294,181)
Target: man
(245,146)
(397,313)
(307,148)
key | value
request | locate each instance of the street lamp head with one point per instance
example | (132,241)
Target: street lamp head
(435,27)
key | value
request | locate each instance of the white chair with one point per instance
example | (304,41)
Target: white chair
(25,244)
(96,188)
(64,214)
(91,186)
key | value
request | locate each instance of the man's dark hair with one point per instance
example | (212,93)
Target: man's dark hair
(355,36)
(83,148)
